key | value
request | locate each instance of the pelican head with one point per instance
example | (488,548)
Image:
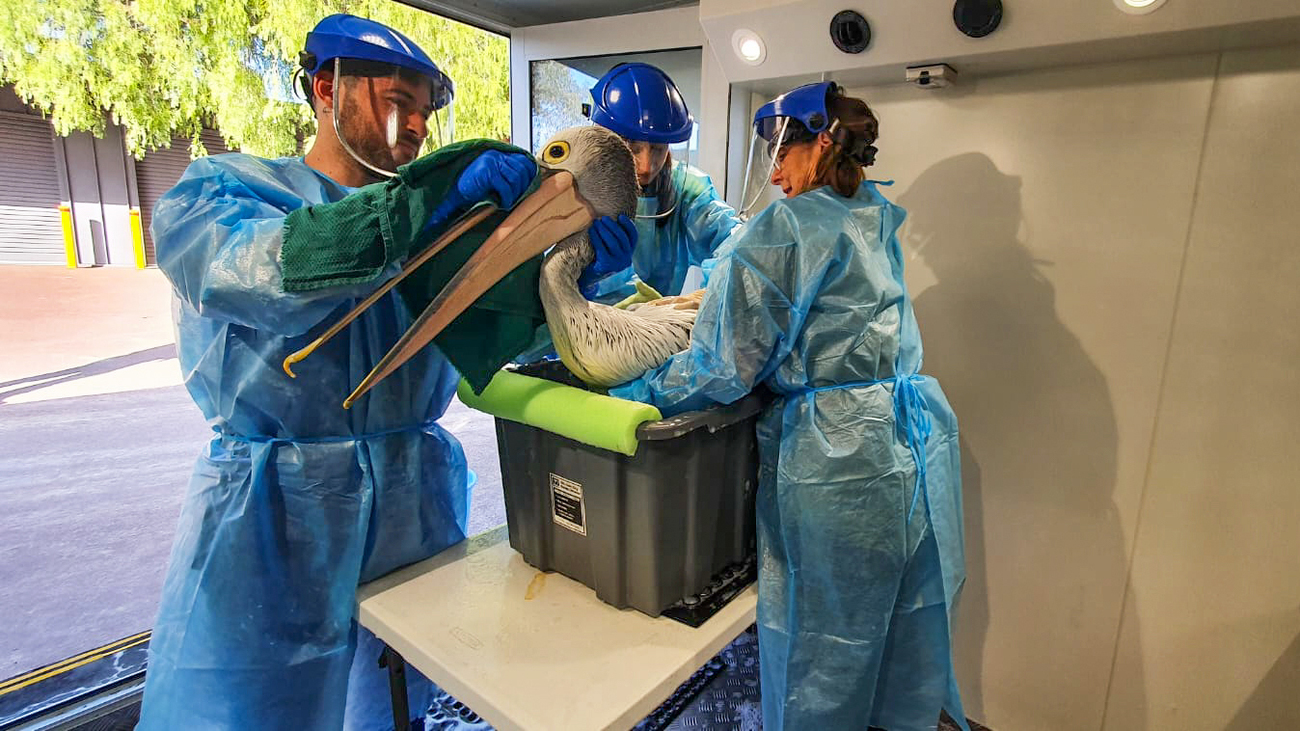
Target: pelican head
(601,164)
(586,173)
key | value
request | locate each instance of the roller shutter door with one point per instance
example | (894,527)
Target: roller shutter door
(31,229)
(159,171)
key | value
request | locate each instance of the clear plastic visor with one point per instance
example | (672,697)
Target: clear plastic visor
(764,158)
(384,121)
(659,153)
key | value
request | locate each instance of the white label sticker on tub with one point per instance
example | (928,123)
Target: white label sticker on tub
(567,508)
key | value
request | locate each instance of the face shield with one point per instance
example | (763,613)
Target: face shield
(796,116)
(770,135)
(654,156)
(642,105)
(387,119)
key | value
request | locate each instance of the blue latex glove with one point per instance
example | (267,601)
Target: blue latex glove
(494,175)
(614,240)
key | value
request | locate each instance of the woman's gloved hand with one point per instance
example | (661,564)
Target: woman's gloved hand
(493,175)
(614,240)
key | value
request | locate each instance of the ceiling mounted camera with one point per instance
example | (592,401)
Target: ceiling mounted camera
(933,76)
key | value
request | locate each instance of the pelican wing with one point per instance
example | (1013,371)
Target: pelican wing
(607,346)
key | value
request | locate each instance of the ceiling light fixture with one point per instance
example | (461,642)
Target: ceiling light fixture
(748,46)
(1139,7)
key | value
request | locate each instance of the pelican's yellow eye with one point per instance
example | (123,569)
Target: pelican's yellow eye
(555,152)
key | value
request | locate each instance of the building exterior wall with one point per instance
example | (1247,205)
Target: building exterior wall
(33,190)
(101,192)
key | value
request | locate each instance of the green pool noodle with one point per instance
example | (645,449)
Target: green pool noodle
(600,421)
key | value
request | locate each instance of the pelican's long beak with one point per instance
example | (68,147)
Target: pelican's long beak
(553,212)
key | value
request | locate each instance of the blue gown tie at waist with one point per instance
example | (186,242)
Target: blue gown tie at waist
(263,439)
(911,419)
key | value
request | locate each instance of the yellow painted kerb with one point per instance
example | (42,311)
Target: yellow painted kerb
(69,238)
(137,237)
(76,661)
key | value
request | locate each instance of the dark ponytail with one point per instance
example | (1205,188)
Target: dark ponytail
(855,129)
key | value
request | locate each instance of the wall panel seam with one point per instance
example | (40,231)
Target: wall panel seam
(1160,389)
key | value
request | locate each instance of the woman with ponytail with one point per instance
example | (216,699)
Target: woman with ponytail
(859,499)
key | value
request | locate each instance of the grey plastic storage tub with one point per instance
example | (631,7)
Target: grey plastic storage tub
(643,531)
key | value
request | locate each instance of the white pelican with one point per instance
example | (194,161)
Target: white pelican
(602,345)
(588,172)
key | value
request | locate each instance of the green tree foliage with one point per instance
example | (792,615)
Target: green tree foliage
(558,95)
(169,67)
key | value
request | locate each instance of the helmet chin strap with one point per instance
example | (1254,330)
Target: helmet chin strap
(665,214)
(656,216)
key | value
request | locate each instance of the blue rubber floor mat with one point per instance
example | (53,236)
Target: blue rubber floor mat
(449,714)
(729,700)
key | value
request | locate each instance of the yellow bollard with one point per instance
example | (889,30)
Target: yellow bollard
(69,237)
(137,237)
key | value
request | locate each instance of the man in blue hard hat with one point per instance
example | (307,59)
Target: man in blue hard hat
(295,501)
(680,219)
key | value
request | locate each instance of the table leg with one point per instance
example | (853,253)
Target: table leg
(397,686)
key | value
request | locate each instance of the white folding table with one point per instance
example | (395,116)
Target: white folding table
(535,651)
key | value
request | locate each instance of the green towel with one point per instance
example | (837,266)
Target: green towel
(381,224)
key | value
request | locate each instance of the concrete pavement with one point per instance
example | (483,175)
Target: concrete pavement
(97,439)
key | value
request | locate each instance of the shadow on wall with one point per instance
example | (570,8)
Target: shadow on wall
(1273,704)
(1038,454)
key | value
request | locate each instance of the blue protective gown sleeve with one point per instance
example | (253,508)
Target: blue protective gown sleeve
(709,220)
(667,249)
(227,266)
(748,321)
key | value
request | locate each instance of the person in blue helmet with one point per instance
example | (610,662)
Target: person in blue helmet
(680,220)
(859,499)
(295,501)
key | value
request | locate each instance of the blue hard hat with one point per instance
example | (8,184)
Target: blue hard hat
(640,103)
(806,103)
(351,37)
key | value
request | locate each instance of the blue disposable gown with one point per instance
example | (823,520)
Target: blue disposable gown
(697,226)
(295,500)
(858,568)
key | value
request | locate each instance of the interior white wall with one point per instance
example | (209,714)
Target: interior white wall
(1104,262)
(1033,34)
(1212,631)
